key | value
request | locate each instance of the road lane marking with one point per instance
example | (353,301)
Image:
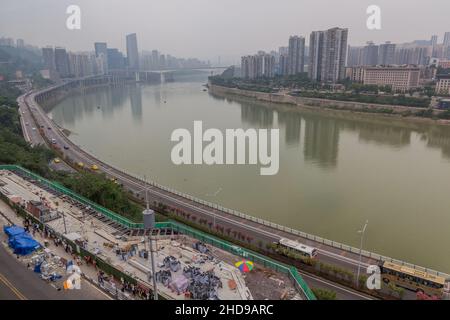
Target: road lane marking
(98,289)
(182,202)
(12,287)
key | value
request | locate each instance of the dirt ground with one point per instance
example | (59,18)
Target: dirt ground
(263,283)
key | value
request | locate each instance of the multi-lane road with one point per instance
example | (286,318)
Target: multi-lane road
(17,282)
(32,114)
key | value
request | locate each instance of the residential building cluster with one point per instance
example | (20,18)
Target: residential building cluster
(328,59)
(419,52)
(257,66)
(58,63)
(325,58)
(154,60)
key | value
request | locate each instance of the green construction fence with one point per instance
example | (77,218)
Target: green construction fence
(291,271)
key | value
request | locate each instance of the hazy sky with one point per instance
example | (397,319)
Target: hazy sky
(209,28)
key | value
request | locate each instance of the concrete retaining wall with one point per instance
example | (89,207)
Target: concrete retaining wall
(313,102)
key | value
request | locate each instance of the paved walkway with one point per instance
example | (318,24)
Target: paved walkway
(19,282)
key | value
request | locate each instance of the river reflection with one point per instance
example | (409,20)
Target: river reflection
(336,169)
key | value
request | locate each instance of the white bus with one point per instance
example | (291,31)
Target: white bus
(304,250)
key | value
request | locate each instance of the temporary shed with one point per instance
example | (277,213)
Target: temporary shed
(12,231)
(23,244)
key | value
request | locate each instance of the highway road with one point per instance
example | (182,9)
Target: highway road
(257,231)
(19,283)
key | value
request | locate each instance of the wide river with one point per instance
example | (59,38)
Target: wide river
(336,171)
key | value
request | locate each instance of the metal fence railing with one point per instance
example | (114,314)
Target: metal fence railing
(318,239)
(298,233)
(83,252)
(299,283)
(58,187)
(292,272)
(127,223)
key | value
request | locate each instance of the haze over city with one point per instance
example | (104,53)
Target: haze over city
(208,29)
(200,150)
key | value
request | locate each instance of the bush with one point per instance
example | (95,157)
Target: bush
(324,294)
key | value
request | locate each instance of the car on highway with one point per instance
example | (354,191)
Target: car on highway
(49,128)
(54,141)
(26,123)
(66,147)
(56,160)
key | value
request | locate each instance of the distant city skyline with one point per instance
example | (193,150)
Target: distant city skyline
(216,31)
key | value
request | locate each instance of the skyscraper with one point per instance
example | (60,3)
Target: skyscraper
(283,64)
(257,66)
(116,59)
(296,51)
(447,39)
(386,53)
(48,55)
(62,62)
(283,50)
(327,55)
(20,43)
(414,55)
(354,56)
(101,52)
(268,66)
(132,52)
(101,48)
(316,47)
(434,40)
(155,60)
(370,54)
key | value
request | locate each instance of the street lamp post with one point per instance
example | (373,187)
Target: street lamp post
(214,195)
(155,289)
(362,232)
(149,225)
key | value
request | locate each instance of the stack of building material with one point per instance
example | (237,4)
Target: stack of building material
(200,247)
(164,277)
(204,285)
(172,263)
(179,284)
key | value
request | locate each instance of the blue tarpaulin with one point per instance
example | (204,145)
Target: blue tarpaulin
(13,231)
(20,241)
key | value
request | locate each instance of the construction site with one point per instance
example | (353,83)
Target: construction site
(185,267)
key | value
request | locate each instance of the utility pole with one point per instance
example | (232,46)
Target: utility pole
(362,232)
(155,290)
(149,225)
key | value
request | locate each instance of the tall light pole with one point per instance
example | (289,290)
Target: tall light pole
(149,224)
(155,289)
(362,232)
(214,195)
